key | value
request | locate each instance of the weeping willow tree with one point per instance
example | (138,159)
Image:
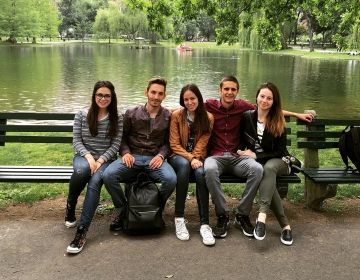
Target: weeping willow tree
(354,38)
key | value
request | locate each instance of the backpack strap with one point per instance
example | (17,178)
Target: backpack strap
(355,132)
(342,147)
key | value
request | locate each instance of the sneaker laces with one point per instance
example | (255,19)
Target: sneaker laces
(206,232)
(79,238)
(180,225)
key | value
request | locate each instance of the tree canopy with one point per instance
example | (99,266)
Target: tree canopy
(257,24)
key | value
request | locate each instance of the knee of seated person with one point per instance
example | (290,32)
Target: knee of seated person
(172,181)
(257,169)
(270,168)
(82,171)
(199,172)
(209,167)
(182,161)
(108,177)
(94,187)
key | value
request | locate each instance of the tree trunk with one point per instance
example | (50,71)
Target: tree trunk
(152,37)
(295,33)
(12,40)
(33,40)
(310,32)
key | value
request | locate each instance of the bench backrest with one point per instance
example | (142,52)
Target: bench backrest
(45,128)
(36,127)
(322,133)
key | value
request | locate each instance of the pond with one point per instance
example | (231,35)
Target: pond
(60,78)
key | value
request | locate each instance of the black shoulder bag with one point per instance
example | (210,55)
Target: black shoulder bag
(143,213)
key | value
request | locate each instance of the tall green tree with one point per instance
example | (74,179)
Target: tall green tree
(102,24)
(28,18)
(67,11)
(49,18)
(156,11)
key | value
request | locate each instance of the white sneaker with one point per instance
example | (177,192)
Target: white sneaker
(70,224)
(207,235)
(181,230)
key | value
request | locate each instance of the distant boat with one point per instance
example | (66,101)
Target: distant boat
(184,48)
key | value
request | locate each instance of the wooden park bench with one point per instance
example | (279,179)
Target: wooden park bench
(57,128)
(321,182)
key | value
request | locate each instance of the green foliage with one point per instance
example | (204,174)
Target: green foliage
(102,24)
(18,18)
(156,12)
(354,38)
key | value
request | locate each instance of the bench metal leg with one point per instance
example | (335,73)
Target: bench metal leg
(315,194)
(282,189)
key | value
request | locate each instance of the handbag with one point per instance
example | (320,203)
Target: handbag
(143,212)
(294,164)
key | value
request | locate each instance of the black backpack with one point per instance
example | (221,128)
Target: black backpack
(143,213)
(349,146)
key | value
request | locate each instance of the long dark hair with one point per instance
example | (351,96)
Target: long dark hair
(275,122)
(92,116)
(201,121)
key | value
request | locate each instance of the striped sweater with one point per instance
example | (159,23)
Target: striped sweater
(99,146)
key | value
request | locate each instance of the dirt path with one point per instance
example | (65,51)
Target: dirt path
(54,209)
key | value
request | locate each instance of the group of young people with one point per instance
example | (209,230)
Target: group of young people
(206,138)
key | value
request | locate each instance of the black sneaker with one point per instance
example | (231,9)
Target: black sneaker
(286,237)
(220,230)
(243,223)
(117,223)
(78,243)
(70,219)
(259,231)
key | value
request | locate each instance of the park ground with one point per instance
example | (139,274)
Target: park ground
(33,244)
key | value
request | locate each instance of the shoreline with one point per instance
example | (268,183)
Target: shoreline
(329,54)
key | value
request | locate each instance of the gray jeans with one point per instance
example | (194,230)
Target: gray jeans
(247,167)
(269,197)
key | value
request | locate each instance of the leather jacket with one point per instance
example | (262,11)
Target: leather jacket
(273,147)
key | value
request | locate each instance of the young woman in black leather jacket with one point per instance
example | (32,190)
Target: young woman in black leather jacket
(263,138)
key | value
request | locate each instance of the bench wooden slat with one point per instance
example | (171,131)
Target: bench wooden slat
(35,128)
(317,144)
(36,116)
(11,168)
(331,122)
(34,179)
(35,139)
(318,134)
(332,175)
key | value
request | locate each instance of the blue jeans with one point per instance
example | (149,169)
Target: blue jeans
(118,172)
(78,181)
(183,171)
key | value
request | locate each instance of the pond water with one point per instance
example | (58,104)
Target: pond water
(60,78)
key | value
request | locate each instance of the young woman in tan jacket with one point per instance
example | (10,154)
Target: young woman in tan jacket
(190,131)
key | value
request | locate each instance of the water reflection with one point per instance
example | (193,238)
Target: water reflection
(60,78)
